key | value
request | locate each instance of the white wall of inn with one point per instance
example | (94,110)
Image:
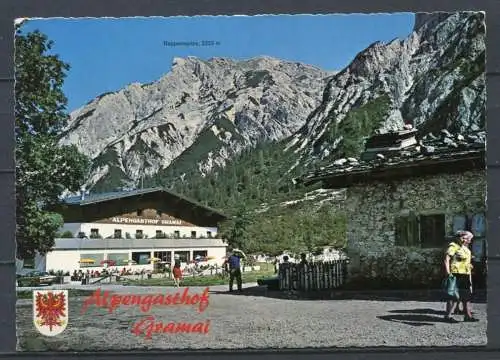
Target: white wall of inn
(108,230)
(67,253)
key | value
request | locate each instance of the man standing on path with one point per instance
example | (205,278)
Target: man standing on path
(234,262)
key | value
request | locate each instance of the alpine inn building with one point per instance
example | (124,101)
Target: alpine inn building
(131,228)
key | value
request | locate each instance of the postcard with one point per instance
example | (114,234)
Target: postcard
(235,182)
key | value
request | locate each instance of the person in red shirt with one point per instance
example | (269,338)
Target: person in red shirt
(177,273)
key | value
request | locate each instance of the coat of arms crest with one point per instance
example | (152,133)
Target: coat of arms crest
(50,311)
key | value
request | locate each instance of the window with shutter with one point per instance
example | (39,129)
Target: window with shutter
(413,235)
(406,233)
(432,230)
(401,233)
(478,228)
(478,225)
(427,231)
(459,223)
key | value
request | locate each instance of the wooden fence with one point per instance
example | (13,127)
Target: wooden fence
(311,277)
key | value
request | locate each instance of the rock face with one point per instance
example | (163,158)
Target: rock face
(213,107)
(433,80)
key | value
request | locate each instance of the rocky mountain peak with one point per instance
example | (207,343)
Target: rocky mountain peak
(434,80)
(229,104)
(429,20)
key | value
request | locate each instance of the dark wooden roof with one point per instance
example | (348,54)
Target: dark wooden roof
(103,205)
(433,155)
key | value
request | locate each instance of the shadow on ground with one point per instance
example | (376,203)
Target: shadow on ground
(339,294)
(415,317)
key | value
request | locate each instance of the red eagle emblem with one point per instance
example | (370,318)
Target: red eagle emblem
(50,309)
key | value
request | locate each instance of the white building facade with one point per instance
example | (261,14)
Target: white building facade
(138,229)
(134,254)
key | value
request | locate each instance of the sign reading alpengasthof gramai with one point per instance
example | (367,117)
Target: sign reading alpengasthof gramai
(124,220)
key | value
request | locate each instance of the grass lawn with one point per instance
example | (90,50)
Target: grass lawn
(28,294)
(209,280)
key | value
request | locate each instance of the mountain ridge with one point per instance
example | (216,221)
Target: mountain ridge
(164,118)
(203,113)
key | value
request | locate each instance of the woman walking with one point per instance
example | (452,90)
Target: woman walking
(177,274)
(176,270)
(458,265)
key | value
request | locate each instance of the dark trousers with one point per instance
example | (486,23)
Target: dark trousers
(235,274)
(464,285)
(465,296)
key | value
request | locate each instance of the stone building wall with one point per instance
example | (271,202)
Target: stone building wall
(372,210)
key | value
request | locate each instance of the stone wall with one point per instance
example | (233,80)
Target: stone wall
(372,209)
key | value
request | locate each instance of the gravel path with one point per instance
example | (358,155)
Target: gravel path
(257,322)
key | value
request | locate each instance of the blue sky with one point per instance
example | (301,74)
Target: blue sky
(107,54)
